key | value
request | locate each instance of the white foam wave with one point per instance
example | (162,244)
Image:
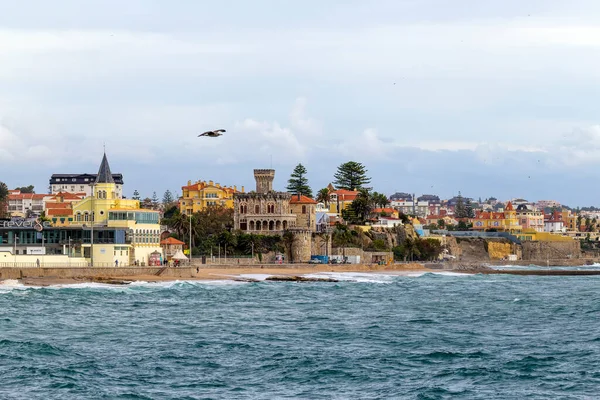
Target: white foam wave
(257,277)
(9,285)
(363,277)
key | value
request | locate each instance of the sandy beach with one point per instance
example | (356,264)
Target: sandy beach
(233,273)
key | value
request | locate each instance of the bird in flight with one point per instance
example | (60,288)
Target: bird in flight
(215,133)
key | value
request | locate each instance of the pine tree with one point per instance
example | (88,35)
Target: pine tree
(3,199)
(298,184)
(136,195)
(469,209)
(154,201)
(460,210)
(351,175)
(167,198)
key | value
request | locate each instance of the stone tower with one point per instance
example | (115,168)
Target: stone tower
(264,180)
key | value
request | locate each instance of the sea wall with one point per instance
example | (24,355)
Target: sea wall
(551,250)
(66,272)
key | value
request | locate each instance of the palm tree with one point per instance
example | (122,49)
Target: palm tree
(323,196)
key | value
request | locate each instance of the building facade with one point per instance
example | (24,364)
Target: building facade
(138,229)
(530,218)
(263,211)
(505,221)
(25,204)
(341,199)
(198,196)
(81,184)
(305,210)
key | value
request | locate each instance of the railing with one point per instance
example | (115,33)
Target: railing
(43,265)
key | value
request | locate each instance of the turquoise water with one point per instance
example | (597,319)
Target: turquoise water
(369,337)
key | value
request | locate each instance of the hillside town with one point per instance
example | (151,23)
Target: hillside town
(85,219)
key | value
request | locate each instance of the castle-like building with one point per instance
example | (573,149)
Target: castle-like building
(264,210)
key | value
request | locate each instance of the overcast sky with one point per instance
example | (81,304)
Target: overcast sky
(433,96)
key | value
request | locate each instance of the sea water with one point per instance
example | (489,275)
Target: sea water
(368,336)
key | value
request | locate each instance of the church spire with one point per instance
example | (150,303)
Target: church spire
(104,174)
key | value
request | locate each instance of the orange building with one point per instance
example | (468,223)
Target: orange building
(505,221)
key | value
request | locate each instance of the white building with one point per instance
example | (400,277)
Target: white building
(409,207)
(22,204)
(81,184)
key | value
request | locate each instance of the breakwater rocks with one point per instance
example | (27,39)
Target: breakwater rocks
(287,278)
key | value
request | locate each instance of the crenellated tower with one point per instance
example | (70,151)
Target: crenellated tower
(264,180)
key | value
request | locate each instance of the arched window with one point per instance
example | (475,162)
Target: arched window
(241,209)
(257,209)
(86,217)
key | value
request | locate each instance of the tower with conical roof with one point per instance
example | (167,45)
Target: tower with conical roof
(105,186)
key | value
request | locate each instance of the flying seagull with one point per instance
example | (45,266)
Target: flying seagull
(215,133)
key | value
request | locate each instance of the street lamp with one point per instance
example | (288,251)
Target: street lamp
(91,231)
(190,238)
(15,248)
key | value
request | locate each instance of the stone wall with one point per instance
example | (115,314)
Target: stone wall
(18,273)
(551,250)
(499,251)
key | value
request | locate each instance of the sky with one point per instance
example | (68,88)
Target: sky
(432,96)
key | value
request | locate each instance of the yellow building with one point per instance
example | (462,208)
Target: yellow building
(123,233)
(199,196)
(341,199)
(506,221)
(532,234)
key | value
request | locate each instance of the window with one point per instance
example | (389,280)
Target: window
(303,209)
(257,209)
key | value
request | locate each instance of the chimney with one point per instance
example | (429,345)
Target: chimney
(243,189)
(210,183)
(189,183)
(234,188)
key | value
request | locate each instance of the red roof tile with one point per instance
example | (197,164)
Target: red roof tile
(171,240)
(302,200)
(59,211)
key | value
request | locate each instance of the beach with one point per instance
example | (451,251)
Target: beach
(42,277)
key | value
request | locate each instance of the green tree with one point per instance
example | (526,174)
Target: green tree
(26,189)
(3,200)
(362,205)
(579,220)
(441,223)
(168,198)
(380,199)
(351,175)
(146,203)
(323,196)
(3,191)
(460,210)
(298,183)
(154,201)
(136,195)
(470,213)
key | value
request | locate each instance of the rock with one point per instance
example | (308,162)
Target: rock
(287,278)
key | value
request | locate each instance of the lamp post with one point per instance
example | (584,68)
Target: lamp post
(91,231)
(16,239)
(190,238)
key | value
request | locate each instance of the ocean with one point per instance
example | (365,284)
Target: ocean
(369,336)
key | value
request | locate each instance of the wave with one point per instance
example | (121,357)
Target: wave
(361,277)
